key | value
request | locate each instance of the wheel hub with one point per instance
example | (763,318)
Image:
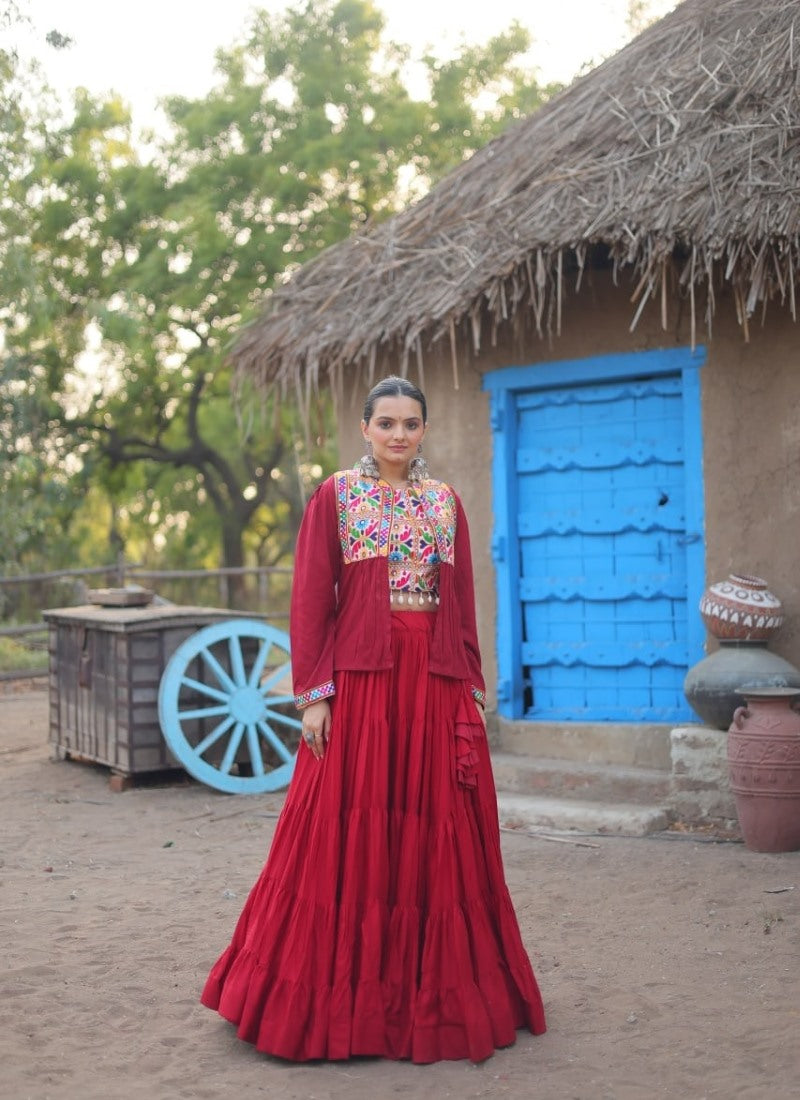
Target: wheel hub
(247,705)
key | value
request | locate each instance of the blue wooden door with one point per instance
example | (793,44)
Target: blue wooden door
(599,542)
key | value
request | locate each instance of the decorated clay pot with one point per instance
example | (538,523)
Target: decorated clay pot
(741,608)
(764,768)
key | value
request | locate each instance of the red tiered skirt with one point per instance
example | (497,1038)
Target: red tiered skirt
(381,923)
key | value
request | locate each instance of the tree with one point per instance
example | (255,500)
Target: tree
(310,133)
(37,491)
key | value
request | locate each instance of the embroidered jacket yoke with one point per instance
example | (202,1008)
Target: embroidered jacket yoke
(340,610)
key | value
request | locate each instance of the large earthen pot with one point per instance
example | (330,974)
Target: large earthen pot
(764,768)
(713,687)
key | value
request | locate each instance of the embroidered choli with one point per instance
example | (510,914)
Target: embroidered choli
(413,527)
(359,537)
(413,553)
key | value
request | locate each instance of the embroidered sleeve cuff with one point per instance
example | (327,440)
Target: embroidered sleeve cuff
(313,695)
(479,697)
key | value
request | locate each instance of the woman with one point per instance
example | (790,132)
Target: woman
(381,923)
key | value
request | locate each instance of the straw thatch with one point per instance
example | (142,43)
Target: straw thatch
(677,160)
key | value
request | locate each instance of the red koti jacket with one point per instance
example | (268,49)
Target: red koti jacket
(340,612)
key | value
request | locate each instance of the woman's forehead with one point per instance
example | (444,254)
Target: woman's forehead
(397,408)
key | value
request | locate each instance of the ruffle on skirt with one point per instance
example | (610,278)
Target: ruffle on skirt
(381,924)
(468,729)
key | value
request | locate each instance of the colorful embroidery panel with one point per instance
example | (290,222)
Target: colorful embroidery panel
(413,550)
(313,695)
(370,512)
(365,516)
(441,508)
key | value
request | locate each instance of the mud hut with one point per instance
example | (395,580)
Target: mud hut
(601,306)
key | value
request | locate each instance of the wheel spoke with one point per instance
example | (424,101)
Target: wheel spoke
(233,748)
(217,669)
(237,661)
(254,747)
(214,736)
(275,677)
(277,744)
(204,689)
(203,712)
(275,700)
(283,719)
(258,664)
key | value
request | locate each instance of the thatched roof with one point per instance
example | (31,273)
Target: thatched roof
(678,159)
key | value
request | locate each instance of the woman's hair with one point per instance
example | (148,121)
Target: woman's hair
(394,387)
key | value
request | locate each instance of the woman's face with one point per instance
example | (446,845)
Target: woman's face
(395,431)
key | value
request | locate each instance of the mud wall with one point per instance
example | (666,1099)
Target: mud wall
(750,418)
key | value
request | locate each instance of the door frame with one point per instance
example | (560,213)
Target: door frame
(503,385)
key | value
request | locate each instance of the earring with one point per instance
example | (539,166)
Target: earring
(366,465)
(418,468)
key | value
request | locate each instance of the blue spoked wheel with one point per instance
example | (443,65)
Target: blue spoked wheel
(225,704)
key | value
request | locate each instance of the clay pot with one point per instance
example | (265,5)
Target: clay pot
(741,609)
(764,768)
(713,687)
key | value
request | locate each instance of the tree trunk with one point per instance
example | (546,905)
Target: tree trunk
(233,558)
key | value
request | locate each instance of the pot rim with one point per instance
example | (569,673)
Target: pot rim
(753,690)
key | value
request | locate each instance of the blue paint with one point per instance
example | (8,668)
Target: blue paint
(598,541)
(505,551)
(223,698)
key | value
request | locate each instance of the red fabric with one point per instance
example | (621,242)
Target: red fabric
(340,613)
(381,923)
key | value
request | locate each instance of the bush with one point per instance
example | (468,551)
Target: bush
(16,656)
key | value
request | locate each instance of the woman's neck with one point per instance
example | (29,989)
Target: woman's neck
(398,479)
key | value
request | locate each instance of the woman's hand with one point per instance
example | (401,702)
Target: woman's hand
(316,726)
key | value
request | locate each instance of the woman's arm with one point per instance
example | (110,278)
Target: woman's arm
(465,596)
(312,614)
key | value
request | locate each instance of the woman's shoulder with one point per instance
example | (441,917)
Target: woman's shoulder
(324,490)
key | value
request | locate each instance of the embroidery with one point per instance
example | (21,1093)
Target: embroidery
(441,507)
(413,550)
(313,695)
(365,516)
(369,513)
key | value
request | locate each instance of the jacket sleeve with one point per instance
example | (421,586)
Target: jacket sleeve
(317,565)
(465,597)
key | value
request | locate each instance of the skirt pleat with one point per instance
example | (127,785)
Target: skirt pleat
(381,923)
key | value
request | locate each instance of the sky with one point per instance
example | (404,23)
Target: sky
(153,48)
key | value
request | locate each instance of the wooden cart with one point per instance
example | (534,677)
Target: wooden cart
(147,689)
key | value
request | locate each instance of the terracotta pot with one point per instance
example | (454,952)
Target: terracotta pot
(764,768)
(741,609)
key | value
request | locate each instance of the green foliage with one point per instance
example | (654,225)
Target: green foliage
(37,491)
(310,133)
(15,656)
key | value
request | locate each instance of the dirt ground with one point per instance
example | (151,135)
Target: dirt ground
(670,966)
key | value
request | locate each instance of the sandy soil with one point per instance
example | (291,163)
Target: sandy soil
(670,966)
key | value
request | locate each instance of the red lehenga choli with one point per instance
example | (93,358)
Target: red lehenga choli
(381,923)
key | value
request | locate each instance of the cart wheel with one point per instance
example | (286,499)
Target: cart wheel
(226,707)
